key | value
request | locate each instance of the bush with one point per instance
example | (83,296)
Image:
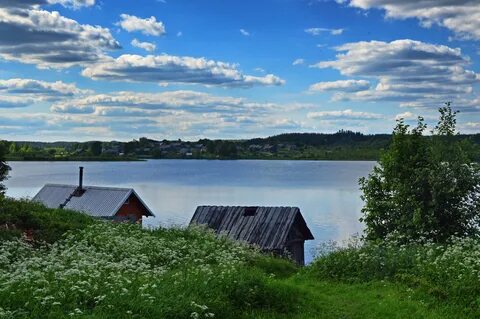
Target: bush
(45,224)
(423,187)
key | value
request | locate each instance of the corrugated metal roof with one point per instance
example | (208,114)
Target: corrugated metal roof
(268,228)
(95,201)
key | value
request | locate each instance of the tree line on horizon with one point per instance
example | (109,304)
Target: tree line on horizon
(342,145)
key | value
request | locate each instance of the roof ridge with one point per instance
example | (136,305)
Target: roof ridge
(92,187)
(244,206)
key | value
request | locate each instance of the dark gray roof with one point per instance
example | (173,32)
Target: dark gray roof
(268,228)
(95,201)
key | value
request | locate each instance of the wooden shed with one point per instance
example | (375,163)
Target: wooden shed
(281,230)
(120,204)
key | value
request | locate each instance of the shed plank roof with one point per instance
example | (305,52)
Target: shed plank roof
(268,228)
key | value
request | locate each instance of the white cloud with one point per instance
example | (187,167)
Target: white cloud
(406,71)
(174,69)
(50,40)
(318,31)
(189,101)
(179,33)
(75,4)
(15,93)
(148,26)
(341,85)
(298,62)
(460,16)
(345,114)
(244,32)
(406,116)
(40,88)
(147,46)
(7,102)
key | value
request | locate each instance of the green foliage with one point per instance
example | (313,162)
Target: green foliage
(96,148)
(49,225)
(4,168)
(448,272)
(423,187)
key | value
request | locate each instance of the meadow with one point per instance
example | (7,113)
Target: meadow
(73,266)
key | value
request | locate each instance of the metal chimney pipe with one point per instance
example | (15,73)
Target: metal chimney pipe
(80,178)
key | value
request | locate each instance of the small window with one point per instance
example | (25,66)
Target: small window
(250,211)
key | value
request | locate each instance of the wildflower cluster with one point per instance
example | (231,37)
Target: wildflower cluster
(114,268)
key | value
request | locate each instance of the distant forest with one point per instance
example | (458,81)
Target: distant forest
(343,145)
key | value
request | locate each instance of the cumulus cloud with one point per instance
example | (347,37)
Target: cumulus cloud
(407,71)
(40,89)
(460,16)
(147,46)
(30,3)
(318,31)
(16,93)
(142,103)
(298,62)
(73,3)
(7,102)
(166,68)
(189,113)
(406,116)
(49,40)
(148,26)
(345,114)
(341,85)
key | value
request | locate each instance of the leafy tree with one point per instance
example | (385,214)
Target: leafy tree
(227,149)
(13,148)
(423,187)
(96,148)
(4,169)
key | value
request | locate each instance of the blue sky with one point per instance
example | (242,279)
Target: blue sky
(89,69)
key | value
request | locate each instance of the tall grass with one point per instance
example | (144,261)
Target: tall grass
(119,271)
(450,271)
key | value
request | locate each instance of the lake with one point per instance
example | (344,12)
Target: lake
(326,191)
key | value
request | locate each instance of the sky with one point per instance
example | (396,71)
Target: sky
(79,70)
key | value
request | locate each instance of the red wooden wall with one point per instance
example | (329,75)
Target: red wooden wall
(133,210)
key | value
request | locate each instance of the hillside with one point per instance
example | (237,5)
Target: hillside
(70,265)
(343,145)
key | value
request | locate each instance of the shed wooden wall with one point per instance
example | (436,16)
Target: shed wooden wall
(133,210)
(296,251)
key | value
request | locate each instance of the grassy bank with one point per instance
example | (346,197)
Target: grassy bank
(79,267)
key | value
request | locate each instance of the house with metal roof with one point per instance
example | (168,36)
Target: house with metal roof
(122,204)
(281,230)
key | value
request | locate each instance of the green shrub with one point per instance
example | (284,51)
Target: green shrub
(49,225)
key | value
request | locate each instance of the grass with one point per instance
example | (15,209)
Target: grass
(79,267)
(334,300)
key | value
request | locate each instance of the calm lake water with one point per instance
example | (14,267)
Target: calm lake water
(326,191)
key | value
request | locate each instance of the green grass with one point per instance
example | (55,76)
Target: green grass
(328,299)
(92,269)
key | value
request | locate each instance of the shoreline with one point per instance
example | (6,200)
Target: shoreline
(194,159)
